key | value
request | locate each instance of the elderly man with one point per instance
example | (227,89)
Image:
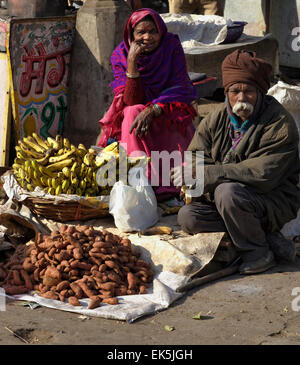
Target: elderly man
(251,167)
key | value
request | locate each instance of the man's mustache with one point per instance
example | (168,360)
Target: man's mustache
(242,107)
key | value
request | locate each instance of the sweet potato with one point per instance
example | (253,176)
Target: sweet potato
(106,294)
(64,292)
(27,265)
(63,228)
(114,277)
(102,267)
(46,245)
(83,266)
(123,259)
(74,301)
(112,301)
(131,292)
(76,290)
(109,286)
(48,281)
(40,255)
(111,264)
(87,291)
(14,290)
(2,274)
(77,253)
(16,278)
(94,303)
(62,285)
(70,230)
(26,279)
(61,297)
(126,242)
(49,295)
(52,272)
(143,289)
(102,244)
(62,255)
(132,281)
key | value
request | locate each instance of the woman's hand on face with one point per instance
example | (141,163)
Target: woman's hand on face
(136,48)
(142,122)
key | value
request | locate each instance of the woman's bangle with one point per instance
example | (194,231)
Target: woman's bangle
(157,110)
(132,76)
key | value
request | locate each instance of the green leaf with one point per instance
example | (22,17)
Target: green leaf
(197,316)
(169,328)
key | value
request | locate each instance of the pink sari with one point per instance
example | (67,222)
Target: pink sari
(163,135)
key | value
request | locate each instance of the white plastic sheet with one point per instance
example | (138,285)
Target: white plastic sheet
(131,307)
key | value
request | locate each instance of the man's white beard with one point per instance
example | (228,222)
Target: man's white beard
(243,107)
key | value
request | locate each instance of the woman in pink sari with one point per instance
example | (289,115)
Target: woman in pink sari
(151,110)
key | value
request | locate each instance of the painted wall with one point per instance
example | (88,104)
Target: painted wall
(40,55)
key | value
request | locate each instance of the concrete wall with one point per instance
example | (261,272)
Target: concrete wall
(99,29)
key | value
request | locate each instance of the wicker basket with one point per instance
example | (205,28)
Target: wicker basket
(64,211)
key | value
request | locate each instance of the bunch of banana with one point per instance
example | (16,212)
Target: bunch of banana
(56,166)
(109,157)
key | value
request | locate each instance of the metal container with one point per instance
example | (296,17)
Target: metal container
(36,8)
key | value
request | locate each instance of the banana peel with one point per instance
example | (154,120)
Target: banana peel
(156,230)
(170,211)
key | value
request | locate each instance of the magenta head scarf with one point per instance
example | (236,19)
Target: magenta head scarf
(163,72)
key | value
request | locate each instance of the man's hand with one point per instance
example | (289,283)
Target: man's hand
(142,122)
(176,176)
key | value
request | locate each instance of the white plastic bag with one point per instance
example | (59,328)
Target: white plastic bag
(134,207)
(289,97)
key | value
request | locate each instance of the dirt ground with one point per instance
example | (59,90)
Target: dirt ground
(258,309)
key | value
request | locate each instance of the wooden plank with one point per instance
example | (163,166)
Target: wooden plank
(5,116)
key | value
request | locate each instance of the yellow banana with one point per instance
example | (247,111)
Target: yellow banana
(65,185)
(44,180)
(40,141)
(66,143)
(19,161)
(110,147)
(16,166)
(74,182)
(29,187)
(67,172)
(78,192)
(61,157)
(82,147)
(21,156)
(51,191)
(74,166)
(58,190)
(88,159)
(82,185)
(60,165)
(53,143)
(89,173)
(70,191)
(29,152)
(31,143)
(59,140)
(54,183)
